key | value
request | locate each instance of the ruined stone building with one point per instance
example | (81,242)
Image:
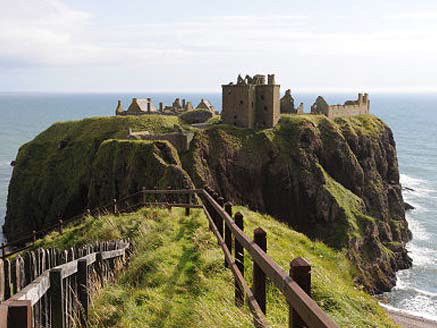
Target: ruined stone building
(350,107)
(180,139)
(145,106)
(177,107)
(251,103)
(137,107)
(287,104)
(206,104)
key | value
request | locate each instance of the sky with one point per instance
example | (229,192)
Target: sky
(197,45)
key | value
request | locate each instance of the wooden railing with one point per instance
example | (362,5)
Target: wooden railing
(52,289)
(160,198)
(229,231)
(296,287)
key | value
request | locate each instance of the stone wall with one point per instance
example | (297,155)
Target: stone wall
(180,140)
(350,107)
(267,106)
(251,103)
(239,105)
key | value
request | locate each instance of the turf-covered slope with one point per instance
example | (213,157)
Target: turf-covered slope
(69,167)
(335,181)
(176,277)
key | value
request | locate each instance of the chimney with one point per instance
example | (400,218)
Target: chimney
(149,104)
(271,79)
(366,98)
(161,106)
(183,103)
(119,109)
(360,98)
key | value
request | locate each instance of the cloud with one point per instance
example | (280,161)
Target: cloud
(43,32)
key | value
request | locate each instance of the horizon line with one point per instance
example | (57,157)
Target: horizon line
(303,90)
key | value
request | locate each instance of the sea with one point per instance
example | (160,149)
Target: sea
(412,117)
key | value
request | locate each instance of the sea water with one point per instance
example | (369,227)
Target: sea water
(412,117)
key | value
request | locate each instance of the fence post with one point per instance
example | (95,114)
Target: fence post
(300,272)
(7,271)
(60,222)
(82,281)
(56,298)
(3,251)
(259,277)
(187,209)
(100,272)
(143,191)
(228,232)
(239,260)
(221,202)
(20,314)
(114,207)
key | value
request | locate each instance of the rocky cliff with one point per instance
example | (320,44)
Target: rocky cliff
(82,164)
(335,181)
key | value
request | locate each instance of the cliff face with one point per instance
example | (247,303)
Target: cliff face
(334,181)
(75,165)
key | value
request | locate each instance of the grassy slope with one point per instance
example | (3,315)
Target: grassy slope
(177,278)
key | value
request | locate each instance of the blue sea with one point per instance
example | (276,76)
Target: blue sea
(413,118)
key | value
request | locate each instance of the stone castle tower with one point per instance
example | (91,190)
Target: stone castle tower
(251,103)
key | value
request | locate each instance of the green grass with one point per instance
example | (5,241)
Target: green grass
(176,277)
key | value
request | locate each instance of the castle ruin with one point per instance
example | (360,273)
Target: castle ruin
(179,138)
(350,107)
(251,103)
(287,104)
(145,106)
(137,107)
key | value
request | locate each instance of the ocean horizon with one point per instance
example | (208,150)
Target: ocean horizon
(412,117)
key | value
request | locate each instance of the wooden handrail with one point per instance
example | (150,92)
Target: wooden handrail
(259,317)
(309,311)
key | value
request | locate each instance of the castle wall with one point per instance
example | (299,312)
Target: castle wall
(239,105)
(335,111)
(267,105)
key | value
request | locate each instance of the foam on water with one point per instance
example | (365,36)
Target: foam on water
(416,288)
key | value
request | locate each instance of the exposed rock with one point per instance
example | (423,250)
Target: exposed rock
(48,181)
(408,206)
(336,182)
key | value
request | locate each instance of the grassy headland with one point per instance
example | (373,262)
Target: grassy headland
(176,277)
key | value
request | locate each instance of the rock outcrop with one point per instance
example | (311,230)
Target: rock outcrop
(336,181)
(89,169)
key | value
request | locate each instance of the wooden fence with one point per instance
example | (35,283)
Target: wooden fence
(159,198)
(295,286)
(49,288)
(229,231)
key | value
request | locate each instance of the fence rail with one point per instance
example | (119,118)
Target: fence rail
(229,231)
(52,288)
(303,310)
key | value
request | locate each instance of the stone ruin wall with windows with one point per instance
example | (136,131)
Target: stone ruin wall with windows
(251,103)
